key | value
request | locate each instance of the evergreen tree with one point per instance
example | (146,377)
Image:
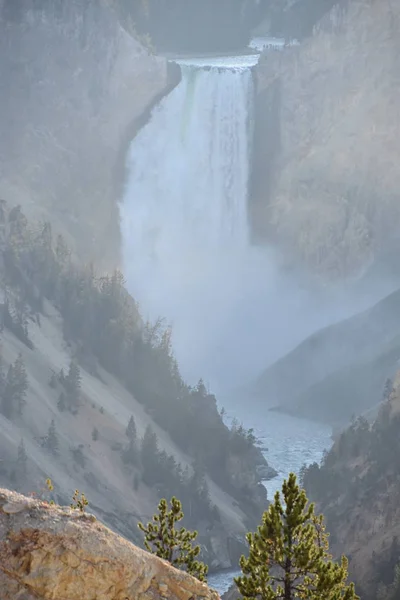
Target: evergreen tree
(20,383)
(199,490)
(131,430)
(72,384)
(16,385)
(51,440)
(95,434)
(174,545)
(149,454)
(63,253)
(289,554)
(22,459)
(387,390)
(7,401)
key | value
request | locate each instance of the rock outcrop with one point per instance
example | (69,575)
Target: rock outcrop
(326,177)
(75,85)
(52,553)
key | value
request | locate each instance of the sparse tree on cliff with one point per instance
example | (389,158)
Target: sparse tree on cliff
(174,545)
(22,459)
(16,385)
(131,430)
(72,384)
(289,554)
(50,442)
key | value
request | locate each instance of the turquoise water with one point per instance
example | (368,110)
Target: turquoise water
(290,443)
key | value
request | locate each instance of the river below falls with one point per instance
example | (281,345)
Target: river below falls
(288,443)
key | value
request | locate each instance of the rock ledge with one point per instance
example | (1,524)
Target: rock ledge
(53,553)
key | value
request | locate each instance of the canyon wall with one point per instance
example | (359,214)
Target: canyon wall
(326,182)
(357,488)
(75,86)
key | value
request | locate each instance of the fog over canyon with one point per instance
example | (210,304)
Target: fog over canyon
(230,172)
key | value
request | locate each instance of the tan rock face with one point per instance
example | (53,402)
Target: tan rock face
(50,553)
(74,84)
(331,194)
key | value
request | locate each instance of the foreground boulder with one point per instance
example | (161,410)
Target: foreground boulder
(53,553)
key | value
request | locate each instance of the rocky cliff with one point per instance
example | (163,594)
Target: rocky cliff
(74,85)
(358,489)
(51,553)
(338,371)
(326,181)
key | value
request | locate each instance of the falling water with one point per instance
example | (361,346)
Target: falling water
(184,214)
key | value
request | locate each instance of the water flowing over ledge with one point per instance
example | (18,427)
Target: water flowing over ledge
(184,214)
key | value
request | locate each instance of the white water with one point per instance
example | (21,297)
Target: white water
(184,222)
(184,214)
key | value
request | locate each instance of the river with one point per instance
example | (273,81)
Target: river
(288,443)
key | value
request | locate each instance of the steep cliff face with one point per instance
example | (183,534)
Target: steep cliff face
(74,83)
(330,190)
(358,489)
(50,553)
(340,370)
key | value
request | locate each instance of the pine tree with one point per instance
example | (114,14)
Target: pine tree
(131,430)
(199,490)
(62,251)
(149,455)
(72,384)
(20,383)
(51,440)
(289,554)
(174,545)
(95,434)
(22,459)
(7,401)
(16,385)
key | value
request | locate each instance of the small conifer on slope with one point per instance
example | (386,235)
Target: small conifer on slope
(289,554)
(174,545)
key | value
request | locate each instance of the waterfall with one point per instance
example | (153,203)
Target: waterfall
(184,223)
(184,213)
